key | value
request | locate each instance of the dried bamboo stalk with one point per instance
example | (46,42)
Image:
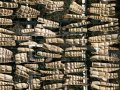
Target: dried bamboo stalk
(51,26)
(76,77)
(45,2)
(5,21)
(21,86)
(104,65)
(105,19)
(30,2)
(102,83)
(54,40)
(6,12)
(108,70)
(8,4)
(23,15)
(107,29)
(75,41)
(22,38)
(102,38)
(52,48)
(24,50)
(78,24)
(73,54)
(54,8)
(69,71)
(53,77)
(74,48)
(38,60)
(72,82)
(74,16)
(102,5)
(27,30)
(51,72)
(104,58)
(77,29)
(50,55)
(53,86)
(28,43)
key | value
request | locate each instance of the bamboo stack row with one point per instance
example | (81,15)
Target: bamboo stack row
(104,40)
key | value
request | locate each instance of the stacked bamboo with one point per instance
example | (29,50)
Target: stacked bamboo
(105,57)
(6,79)
(6,40)
(74,34)
(6,34)
(43,45)
(26,66)
(32,54)
(52,74)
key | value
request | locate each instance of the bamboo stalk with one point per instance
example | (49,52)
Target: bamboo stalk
(75,41)
(104,58)
(21,86)
(53,77)
(50,55)
(6,12)
(52,48)
(5,21)
(104,69)
(8,4)
(104,65)
(53,86)
(54,40)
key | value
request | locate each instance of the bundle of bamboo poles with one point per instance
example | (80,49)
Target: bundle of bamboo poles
(51,50)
